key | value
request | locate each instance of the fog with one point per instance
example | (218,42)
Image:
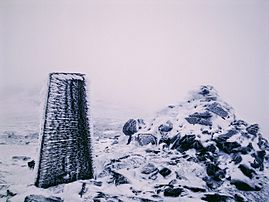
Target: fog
(144,54)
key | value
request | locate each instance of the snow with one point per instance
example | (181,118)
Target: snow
(110,151)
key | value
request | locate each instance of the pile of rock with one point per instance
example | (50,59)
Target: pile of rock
(232,152)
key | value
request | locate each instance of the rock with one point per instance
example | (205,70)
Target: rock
(141,124)
(215,171)
(236,158)
(172,192)
(146,138)
(10,193)
(204,91)
(149,168)
(226,136)
(217,109)
(130,127)
(21,158)
(185,143)
(165,172)
(258,161)
(245,186)
(83,189)
(195,189)
(118,179)
(167,127)
(211,148)
(216,197)
(253,129)
(211,183)
(227,147)
(263,144)
(31,164)
(246,170)
(245,150)
(200,118)
(40,198)
(239,198)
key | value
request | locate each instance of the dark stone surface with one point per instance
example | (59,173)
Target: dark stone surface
(200,118)
(40,198)
(172,192)
(165,172)
(263,144)
(31,164)
(246,170)
(130,127)
(195,189)
(236,158)
(167,127)
(227,147)
(146,138)
(185,143)
(217,109)
(253,129)
(211,148)
(118,179)
(259,159)
(215,171)
(216,197)
(226,136)
(244,186)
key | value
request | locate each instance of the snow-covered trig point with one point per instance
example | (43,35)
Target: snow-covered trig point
(65,143)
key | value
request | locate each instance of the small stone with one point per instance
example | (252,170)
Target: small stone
(118,179)
(167,127)
(226,136)
(263,144)
(211,148)
(236,158)
(40,198)
(130,127)
(253,129)
(31,164)
(149,168)
(172,192)
(216,197)
(239,198)
(146,138)
(165,172)
(217,109)
(195,189)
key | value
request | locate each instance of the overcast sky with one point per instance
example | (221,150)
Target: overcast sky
(142,53)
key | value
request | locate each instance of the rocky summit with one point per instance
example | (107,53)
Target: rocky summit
(197,150)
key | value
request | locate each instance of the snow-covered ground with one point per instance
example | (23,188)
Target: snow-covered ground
(191,155)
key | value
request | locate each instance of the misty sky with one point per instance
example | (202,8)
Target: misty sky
(146,53)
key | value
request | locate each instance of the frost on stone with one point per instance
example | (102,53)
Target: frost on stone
(65,148)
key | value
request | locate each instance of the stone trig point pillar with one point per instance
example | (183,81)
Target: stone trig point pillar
(65,147)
